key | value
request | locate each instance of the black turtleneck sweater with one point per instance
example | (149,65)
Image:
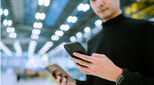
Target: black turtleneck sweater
(129,43)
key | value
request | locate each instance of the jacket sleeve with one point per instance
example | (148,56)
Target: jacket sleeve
(147,59)
(80,82)
(135,78)
(87,82)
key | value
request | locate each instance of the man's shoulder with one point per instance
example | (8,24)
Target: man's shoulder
(139,22)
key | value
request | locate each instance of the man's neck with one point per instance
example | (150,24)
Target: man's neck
(113,16)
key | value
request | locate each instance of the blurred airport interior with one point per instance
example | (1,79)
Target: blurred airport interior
(33,33)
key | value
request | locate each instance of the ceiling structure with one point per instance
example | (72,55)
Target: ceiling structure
(23,15)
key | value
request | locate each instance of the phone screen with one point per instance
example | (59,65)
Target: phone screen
(75,47)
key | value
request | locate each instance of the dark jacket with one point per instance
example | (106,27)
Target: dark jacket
(129,43)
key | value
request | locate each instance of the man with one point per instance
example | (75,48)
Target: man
(122,53)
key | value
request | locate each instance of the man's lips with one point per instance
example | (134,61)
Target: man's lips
(103,10)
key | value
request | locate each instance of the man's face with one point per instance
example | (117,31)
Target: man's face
(105,8)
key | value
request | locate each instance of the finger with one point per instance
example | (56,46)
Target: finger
(84,57)
(69,84)
(64,81)
(82,69)
(84,63)
(58,79)
(72,83)
(53,77)
(98,55)
(85,72)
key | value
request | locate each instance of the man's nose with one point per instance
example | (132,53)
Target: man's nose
(100,3)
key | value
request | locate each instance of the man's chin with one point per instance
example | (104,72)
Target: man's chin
(107,16)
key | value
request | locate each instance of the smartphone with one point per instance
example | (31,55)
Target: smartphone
(75,47)
(56,71)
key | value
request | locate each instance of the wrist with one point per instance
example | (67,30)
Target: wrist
(117,74)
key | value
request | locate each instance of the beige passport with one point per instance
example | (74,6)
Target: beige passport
(56,70)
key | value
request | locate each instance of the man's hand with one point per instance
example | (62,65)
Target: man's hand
(100,66)
(63,82)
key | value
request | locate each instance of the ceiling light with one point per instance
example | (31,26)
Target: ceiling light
(72,39)
(1,11)
(86,35)
(69,19)
(18,48)
(80,7)
(34,36)
(86,7)
(37,25)
(87,29)
(9,22)
(36,31)
(83,7)
(45,48)
(98,22)
(46,2)
(72,19)
(43,2)
(6,12)
(64,27)
(79,35)
(40,25)
(54,38)
(31,48)
(59,33)
(10,29)
(42,16)
(96,30)
(5,49)
(37,15)
(12,35)
(5,22)
(40,2)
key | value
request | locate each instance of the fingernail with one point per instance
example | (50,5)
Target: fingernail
(74,63)
(64,78)
(59,76)
(74,53)
(71,59)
